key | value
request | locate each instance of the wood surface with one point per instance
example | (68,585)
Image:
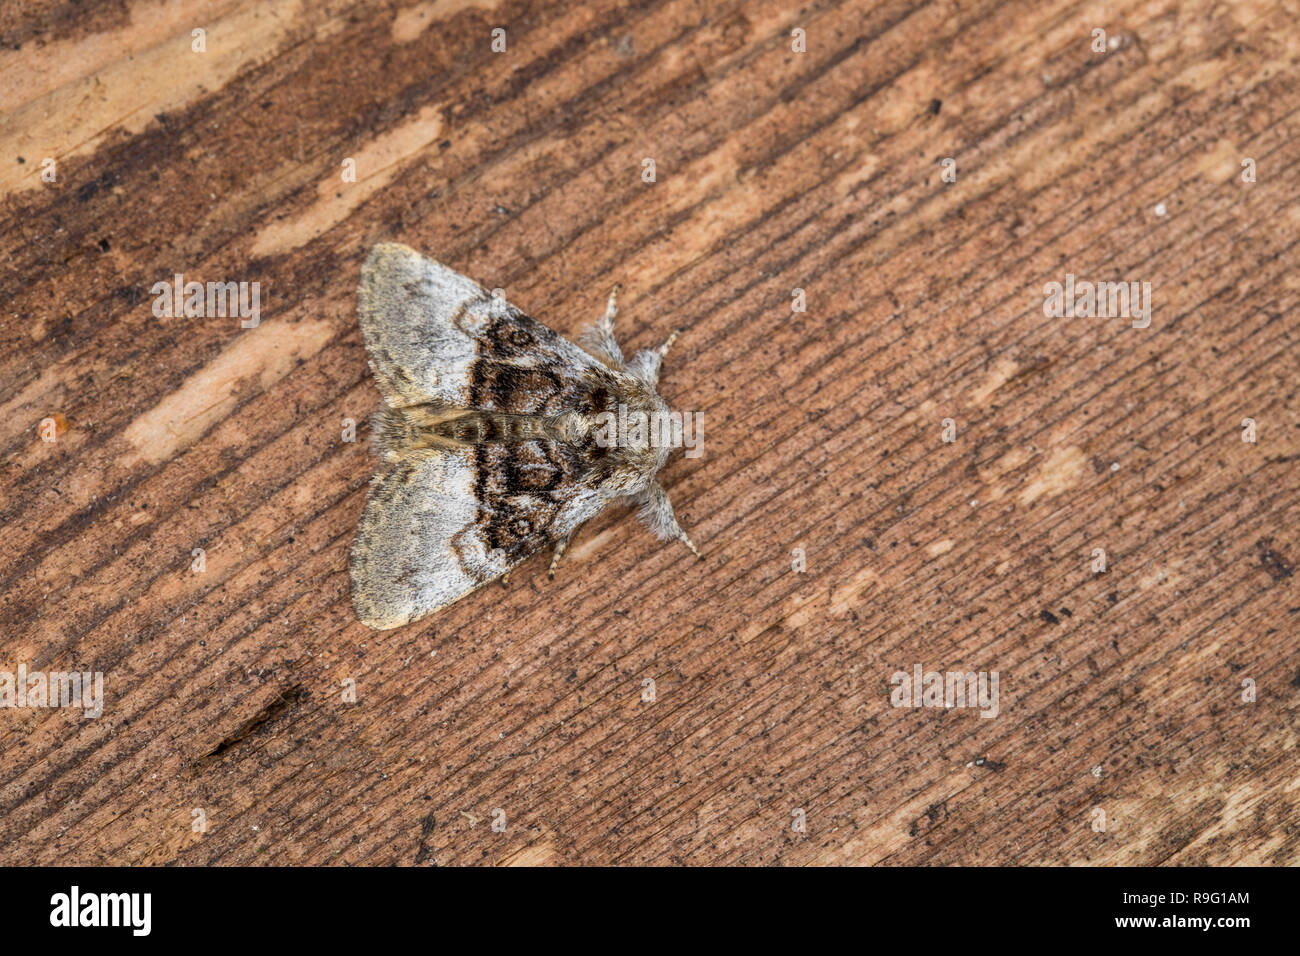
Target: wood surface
(1124,691)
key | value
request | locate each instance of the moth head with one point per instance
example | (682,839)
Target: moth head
(631,442)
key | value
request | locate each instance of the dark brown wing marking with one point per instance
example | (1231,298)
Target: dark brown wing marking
(523,367)
(522,488)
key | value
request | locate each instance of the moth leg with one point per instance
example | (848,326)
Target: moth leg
(657,512)
(559,550)
(599,339)
(555,558)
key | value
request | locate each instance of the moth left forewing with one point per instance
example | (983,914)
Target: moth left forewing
(435,336)
(408,307)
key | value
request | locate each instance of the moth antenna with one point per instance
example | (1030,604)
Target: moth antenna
(691,544)
(611,308)
(663,349)
(657,512)
(599,339)
(646,364)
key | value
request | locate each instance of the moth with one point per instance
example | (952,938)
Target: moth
(488,436)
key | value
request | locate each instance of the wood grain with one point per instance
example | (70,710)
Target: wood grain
(776,170)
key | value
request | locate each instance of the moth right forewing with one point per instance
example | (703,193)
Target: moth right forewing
(532,493)
(445,518)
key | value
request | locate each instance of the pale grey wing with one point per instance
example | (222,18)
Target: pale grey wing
(410,555)
(411,311)
(438,526)
(434,335)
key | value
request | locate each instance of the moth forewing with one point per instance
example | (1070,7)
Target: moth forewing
(486,438)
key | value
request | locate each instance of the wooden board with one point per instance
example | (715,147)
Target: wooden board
(1147,714)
